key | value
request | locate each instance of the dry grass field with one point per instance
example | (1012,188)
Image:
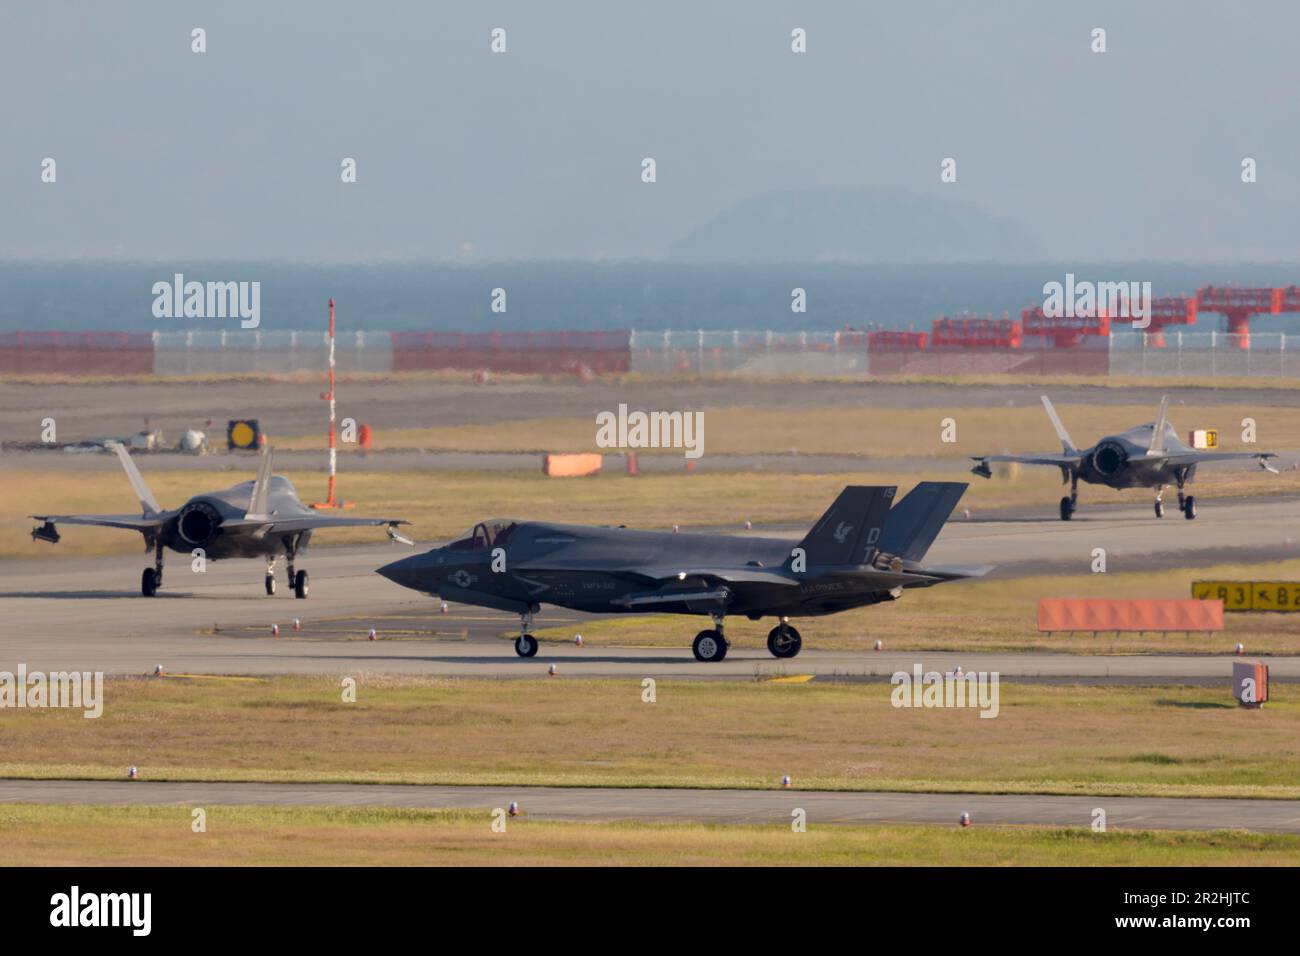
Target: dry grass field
(358,836)
(858,430)
(1065,739)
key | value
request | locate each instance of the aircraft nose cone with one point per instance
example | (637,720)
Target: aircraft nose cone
(403,572)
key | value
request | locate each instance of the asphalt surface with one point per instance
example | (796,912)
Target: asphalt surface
(86,613)
(681,806)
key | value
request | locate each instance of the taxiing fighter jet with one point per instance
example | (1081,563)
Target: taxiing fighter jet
(261,518)
(860,552)
(1148,456)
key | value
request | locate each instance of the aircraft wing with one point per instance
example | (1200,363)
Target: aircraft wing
(746,575)
(130,522)
(262,525)
(753,575)
(720,583)
(1056,458)
(1196,457)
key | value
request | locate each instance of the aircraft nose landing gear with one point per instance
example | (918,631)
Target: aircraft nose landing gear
(783,640)
(525,643)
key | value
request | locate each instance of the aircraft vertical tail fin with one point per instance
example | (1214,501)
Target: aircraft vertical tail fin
(148,503)
(916,520)
(1158,433)
(851,528)
(1067,446)
(257,502)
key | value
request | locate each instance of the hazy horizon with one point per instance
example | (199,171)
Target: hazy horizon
(468,156)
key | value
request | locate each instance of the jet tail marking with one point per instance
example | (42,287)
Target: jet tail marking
(148,503)
(1067,446)
(916,520)
(851,528)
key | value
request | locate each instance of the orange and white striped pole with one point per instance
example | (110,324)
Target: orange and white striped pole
(330,501)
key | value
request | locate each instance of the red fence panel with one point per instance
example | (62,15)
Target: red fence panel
(76,353)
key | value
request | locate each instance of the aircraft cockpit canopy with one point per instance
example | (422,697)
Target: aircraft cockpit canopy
(486,534)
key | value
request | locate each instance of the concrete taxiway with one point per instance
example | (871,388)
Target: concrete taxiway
(682,806)
(86,613)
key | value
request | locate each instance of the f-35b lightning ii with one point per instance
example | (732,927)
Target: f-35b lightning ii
(260,518)
(1146,456)
(860,552)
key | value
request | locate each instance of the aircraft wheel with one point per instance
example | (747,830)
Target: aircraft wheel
(1160,509)
(1189,508)
(525,645)
(784,645)
(270,584)
(300,585)
(149,582)
(709,646)
(1067,509)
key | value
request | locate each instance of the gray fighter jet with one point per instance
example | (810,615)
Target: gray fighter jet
(260,518)
(860,552)
(1148,456)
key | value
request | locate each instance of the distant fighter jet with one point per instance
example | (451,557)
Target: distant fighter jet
(1148,456)
(860,552)
(261,518)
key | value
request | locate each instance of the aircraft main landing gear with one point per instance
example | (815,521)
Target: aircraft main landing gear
(1160,505)
(270,575)
(1070,503)
(151,579)
(297,579)
(711,646)
(1187,505)
(783,640)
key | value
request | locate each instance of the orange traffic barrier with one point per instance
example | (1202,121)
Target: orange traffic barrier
(1137,614)
(571,466)
(1250,683)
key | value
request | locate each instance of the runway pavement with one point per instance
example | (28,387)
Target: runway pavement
(703,806)
(86,613)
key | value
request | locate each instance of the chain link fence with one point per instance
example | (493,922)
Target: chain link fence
(764,353)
